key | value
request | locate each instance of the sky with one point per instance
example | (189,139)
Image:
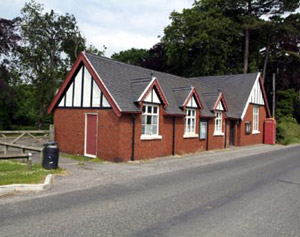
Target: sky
(117,24)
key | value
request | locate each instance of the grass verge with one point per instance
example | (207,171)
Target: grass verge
(80,158)
(13,172)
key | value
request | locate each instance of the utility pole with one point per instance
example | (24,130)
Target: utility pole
(273,94)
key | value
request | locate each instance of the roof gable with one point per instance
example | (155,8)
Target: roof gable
(83,92)
(153,93)
(221,103)
(257,95)
(82,60)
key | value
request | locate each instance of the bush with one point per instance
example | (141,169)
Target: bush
(288,131)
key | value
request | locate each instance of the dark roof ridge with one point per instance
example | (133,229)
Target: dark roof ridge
(224,76)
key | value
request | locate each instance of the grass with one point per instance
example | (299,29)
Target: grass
(80,158)
(12,172)
(288,131)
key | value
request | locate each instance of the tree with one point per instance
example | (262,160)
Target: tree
(51,42)
(252,10)
(9,39)
(8,35)
(203,40)
(132,56)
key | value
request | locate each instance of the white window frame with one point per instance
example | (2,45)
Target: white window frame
(255,122)
(190,130)
(150,136)
(218,131)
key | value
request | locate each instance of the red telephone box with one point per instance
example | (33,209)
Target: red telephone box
(270,131)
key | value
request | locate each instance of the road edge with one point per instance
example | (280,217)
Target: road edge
(6,189)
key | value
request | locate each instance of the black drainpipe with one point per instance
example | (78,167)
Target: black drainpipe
(173,144)
(207,134)
(133,137)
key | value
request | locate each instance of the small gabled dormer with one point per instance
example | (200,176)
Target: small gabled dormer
(151,99)
(219,109)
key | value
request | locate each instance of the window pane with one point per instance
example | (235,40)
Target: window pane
(148,129)
(154,119)
(154,129)
(155,110)
(148,119)
(143,129)
(143,119)
(149,109)
(189,112)
(144,109)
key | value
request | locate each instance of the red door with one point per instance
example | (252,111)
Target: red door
(91,135)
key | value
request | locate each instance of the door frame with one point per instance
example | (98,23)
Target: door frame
(85,134)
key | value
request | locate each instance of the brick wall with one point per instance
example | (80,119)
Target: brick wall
(249,139)
(70,131)
(115,134)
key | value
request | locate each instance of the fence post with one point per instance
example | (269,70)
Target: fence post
(51,132)
(29,161)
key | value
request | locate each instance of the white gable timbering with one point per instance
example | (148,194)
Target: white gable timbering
(192,103)
(220,106)
(256,96)
(83,92)
(152,97)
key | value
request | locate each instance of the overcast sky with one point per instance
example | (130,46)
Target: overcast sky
(117,24)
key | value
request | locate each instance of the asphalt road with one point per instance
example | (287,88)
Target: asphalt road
(256,195)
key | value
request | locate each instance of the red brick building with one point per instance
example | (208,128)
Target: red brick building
(117,111)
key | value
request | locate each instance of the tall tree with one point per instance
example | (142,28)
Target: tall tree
(252,10)
(9,39)
(203,40)
(51,42)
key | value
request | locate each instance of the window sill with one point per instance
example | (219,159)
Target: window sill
(149,137)
(191,135)
(255,132)
(218,134)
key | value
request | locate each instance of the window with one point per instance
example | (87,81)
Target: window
(248,127)
(150,118)
(255,119)
(203,129)
(190,123)
(218,124)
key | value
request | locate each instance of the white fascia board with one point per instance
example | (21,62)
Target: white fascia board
(146,89)
(102,83)
(249,97)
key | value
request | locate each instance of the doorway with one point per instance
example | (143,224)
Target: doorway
(232,133)
(90,147)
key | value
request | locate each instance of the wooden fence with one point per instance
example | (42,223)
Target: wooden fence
(34,134)
(31,133)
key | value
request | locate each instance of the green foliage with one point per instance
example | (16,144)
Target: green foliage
(132,56)
(285,104)
(203,40)
(288,131)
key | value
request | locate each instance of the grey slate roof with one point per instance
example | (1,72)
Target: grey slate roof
(236,90)
(127,82)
